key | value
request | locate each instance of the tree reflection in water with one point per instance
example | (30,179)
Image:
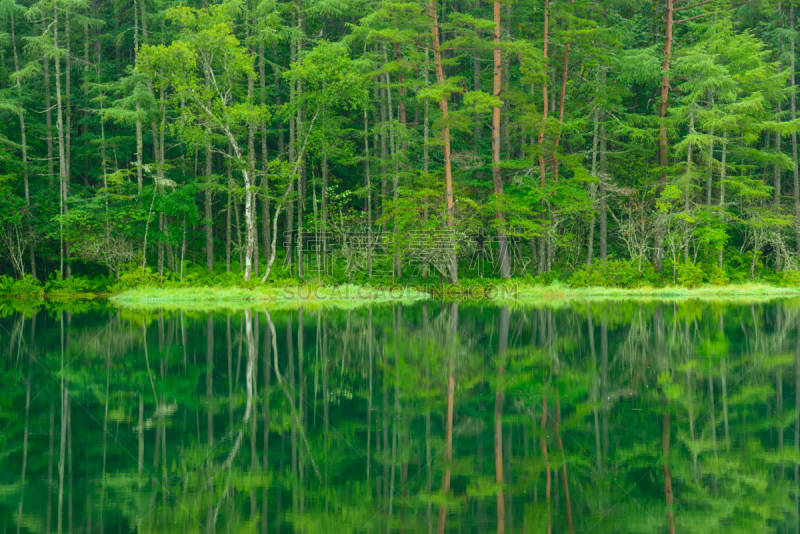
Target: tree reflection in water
(603,417)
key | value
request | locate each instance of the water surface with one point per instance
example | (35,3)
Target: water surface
(438,417)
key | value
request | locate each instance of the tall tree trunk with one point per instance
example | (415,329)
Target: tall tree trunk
(448,166)
(368,185)
(86,70)
(542,167)
(663,140)
(384,155)
(603,174)
(62,161)
(723,163)
(593,187)
(564,77)
(209,222)
(301,176)
(23,138)
(228,225)
(265,214)
(139,142)
(48,111)
(395,170)
(251,164)
(794,133)
(497,177)
(67,132)
(426,130)
(401,95)
(288,241)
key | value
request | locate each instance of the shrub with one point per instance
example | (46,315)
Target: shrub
(790,278)
(75,284)
(609,273)
(133,276)
(25,287)
(689,274)
(718,276)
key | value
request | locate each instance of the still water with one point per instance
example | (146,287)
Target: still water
(437,417)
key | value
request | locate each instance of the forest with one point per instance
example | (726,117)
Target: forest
(610,143)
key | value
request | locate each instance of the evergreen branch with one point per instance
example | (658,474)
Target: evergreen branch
(708,14)
(692,6)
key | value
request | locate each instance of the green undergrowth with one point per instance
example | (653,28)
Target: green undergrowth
(272,296)
(611,279)
(352,296)
(558,291)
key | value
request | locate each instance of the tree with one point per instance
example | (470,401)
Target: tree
(208,50)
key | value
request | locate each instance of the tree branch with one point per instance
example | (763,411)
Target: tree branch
(706,14)
(694,5)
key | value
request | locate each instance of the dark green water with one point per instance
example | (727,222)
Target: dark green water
(430,418)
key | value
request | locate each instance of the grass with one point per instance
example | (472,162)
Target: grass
(709,292)
(352,296)
(274,297)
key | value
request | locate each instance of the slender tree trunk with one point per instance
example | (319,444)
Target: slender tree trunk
(401,95)
(300,126)
(265,208)
(251,165)
(663,140)
(448,168)
(48,111)
(723,164)
(228,225)
(368,184)
(62,161)
(593,187)
(395,171)
(384,155)
(67,132)
(139,142)
(542,167)
(794,133)
(209,213)
(564,77)
(23,138)
(497,177)
(426,129)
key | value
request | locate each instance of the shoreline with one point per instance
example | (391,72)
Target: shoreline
(349,295)
(353,295)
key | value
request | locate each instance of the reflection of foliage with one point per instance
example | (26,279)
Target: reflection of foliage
(367,389)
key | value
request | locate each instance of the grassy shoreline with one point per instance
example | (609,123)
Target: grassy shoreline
(348,296)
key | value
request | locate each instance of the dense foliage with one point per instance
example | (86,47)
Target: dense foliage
(393,140)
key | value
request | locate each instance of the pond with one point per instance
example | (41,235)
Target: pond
(590,417)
